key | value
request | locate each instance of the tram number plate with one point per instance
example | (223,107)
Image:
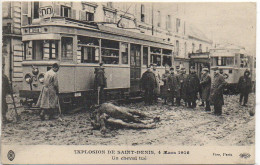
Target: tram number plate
(77,94)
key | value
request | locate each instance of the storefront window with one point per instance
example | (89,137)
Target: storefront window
(67,48)
(124,51)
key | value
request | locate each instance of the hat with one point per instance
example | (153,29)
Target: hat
(205,69)
(171,68)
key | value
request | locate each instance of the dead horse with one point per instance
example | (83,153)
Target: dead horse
(109,115)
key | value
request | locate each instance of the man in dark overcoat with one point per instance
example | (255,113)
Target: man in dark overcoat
(182,78)
(164,88)
(205,84)
(148,84)
(173,87)
(192,87)
(216,92)
(244,87)
(100,82)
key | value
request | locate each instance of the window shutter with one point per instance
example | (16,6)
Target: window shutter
(57,10)
(73,14)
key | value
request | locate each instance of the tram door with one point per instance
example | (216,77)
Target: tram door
(135,67)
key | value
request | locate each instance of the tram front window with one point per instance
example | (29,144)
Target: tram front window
(67,48)
(41,50)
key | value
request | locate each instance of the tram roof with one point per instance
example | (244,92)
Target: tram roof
(98,28)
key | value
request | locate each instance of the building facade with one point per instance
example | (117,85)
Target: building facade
(12,42)
(170,39)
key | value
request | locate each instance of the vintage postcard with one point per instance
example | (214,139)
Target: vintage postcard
(87,82)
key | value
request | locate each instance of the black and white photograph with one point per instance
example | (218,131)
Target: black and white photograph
(129,74)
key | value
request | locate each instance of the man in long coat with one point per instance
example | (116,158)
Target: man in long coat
(244,87)
(48,99)
(205,84)
(164,88)
(173,87)
(5,91)
(192,88)
(148,84)
(100,82)
(158,81)
(182,79)
(216,92)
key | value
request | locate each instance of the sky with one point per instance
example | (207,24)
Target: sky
(223,22)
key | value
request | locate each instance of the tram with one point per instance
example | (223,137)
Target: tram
(233,62)
(79,47)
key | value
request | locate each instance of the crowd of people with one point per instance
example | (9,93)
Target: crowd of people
(176,87)
(180,87)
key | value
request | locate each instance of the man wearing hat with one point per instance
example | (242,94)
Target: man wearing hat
(148,84)
(216,91)
(173,86)
(192,87)
(205,84)
(245,87)
(182,78)
(158,81)
(5,90)
(164,88)
(100,82)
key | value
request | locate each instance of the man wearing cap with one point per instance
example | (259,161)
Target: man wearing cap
(164,90)
(173,86)
(192,87)
(178,87)
(5,91)
(100,82)
(148,84)
(182,78)
(158,81)
(205,84)
(245,87)
(216,91)
(48,99)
